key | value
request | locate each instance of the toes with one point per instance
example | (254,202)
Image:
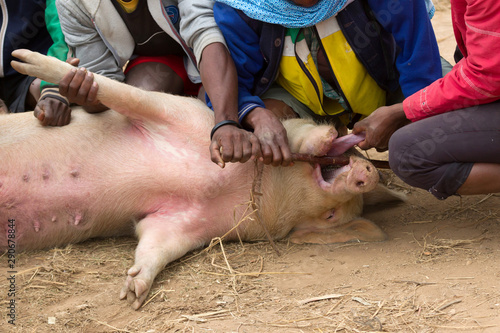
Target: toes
(133,271)
(140,287)
(127,286)
(137,293)
(135,290)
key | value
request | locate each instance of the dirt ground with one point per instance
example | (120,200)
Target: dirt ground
(438,272)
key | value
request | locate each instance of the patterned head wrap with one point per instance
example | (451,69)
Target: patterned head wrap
(286,13)
(430,8)
(290,15)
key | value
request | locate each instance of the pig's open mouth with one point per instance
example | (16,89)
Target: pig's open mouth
(326,174)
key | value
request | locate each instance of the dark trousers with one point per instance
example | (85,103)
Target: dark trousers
(437,153)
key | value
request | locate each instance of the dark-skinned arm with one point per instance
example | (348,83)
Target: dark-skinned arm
(229,142)
(79,87)
(243,43)
(52,109)
(380,125)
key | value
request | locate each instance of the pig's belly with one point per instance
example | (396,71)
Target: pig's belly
(97,175)
(53,202)
(50,220)
(63,185)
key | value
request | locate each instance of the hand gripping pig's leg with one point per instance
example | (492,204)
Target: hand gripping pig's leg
(161,241)
(138,104)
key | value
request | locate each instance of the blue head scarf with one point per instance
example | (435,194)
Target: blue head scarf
(290,15)
(430,8)
(286,13)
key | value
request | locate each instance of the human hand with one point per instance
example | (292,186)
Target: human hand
(272,137)
(52,112)
(3,107)
(79,87)
(233,144)
(380,125)
(52,109)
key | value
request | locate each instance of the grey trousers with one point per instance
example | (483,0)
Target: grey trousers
(437,153)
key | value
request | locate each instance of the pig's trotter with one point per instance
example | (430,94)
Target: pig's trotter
(162,240)
(354,231)
(35,64)
(135,289)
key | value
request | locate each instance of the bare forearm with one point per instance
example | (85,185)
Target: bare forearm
(95,108)
(220,81)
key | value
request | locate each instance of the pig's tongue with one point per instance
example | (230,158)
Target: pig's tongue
(342,144)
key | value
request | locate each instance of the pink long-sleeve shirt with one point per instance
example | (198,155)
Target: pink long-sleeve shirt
(475,79)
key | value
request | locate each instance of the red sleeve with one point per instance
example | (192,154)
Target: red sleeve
(476,78)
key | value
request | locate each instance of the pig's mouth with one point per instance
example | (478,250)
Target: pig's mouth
(326,174)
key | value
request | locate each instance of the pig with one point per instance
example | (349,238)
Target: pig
(144,167)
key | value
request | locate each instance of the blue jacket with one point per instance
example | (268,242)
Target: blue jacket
(25,28)
(256,47)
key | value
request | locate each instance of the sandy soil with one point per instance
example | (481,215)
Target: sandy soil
(438,272)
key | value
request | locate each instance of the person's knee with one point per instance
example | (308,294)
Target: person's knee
(280,108)
(33,94)
(411,161)
(403,160)
(3,107)
(154,76)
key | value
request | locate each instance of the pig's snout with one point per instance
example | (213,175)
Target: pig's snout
(363,176)
(357,177)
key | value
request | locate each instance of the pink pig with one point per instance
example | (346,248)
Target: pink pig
(146,167)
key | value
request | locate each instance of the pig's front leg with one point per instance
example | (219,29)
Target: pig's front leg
(130,101)
(161,241)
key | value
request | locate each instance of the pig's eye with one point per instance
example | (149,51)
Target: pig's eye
(328,215)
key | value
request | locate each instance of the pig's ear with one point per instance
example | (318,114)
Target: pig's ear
(354,231)
(382,194)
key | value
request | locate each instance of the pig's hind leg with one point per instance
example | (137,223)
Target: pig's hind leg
(161,241)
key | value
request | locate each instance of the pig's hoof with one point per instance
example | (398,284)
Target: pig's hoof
(135,291)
